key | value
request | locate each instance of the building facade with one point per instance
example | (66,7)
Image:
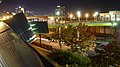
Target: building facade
(110,16)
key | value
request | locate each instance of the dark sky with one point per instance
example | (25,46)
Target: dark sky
(44,7)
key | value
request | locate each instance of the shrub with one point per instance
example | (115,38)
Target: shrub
(70,58)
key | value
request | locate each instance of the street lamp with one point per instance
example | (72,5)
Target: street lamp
(95,15)
(71,17)
(86,15)
(79,15)
(52,18)
(7,17)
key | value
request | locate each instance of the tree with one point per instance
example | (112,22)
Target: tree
(66,35)
(109,55)
(69,36)
(87,38)
(72,59)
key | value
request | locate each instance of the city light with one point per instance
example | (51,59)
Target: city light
(96,13)
(95,16)
(71,16)
(7,17)
(72,33)
(86,15)
(52,18)
(65,26)
(79,15)
(58,6)
(19,7)
(1,24)
(58,13)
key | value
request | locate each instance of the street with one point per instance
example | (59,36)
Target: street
(55,45)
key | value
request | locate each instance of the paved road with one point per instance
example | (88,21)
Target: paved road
(45,53)
(54,45)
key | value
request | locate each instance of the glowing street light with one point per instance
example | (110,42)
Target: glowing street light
(71,16)
(86,15)
(79,15)
(7,17)
(95,15)
(52,18)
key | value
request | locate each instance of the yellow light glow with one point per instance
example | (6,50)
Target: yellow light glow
(94,15)
(79,16)
(65,26)
(78,13)
(86,15)
(4,18)
(11,16)
(1,24)
(22,9)
(71,16)
(51,18)
(7,17)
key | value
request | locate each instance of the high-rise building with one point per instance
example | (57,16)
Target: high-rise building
(60,14)
(60,11)
(19,9)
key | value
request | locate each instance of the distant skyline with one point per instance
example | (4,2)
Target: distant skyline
(45,7)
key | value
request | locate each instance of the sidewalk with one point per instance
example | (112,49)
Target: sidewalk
(46,49)
(54,45)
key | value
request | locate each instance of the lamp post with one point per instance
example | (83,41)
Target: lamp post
(59,19)
(96,15)
(71,16)
(79,15)
(86,15)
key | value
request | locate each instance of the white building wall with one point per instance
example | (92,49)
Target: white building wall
(111,16)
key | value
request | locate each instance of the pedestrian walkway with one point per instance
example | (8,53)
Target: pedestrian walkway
(54,45)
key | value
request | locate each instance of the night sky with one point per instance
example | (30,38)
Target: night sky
(45,7)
